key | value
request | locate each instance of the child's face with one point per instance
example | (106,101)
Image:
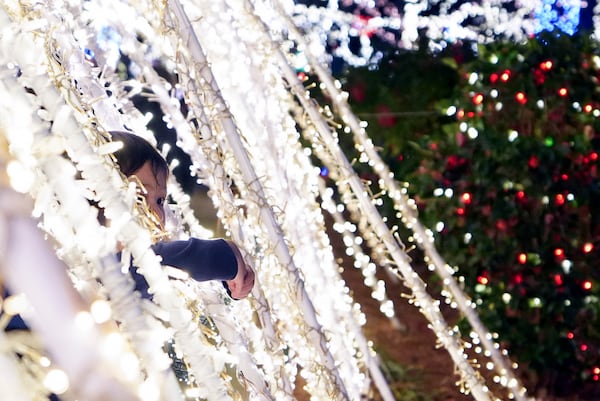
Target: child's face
(156,190)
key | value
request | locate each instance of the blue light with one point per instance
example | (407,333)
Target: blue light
(89,53)
(558,14)
(108,38)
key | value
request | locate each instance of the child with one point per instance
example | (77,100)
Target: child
(215,259)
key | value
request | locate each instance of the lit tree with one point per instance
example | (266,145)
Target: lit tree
(506,174)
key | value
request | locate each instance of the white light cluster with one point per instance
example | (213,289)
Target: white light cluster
(399,25)
(239,87)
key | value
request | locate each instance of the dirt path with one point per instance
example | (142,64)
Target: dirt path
(424,372)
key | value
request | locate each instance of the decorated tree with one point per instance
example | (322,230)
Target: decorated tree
(501,152)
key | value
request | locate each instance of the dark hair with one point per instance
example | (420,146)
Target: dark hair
(135,152)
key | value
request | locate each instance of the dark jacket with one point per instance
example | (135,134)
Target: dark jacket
(202,259)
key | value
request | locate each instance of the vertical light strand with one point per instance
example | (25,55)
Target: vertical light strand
(334,384)
(289,177)
(209,167)
(337,160)
(28,135)
(407,208)
(138,243)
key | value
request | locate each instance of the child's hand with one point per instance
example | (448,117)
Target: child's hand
(241,285)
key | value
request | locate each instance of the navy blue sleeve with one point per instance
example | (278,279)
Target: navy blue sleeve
(203,259)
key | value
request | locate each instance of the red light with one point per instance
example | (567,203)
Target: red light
(594,156)
(520,195)
(587,108)
(460,211)
(493,77)
(302,76)
(522,258)
(563,92)
(559,199)
(534,162)
(570,335)
(596,378)
(466,198)
(558,279)
(587,285)
(588,247)
(478,98)
(546,65)
(518,279)
(564,177)
(471,114)
(583,347)
(596,370)
(559,253)
(505,76)
(460,114)
(521,98)
(483,280)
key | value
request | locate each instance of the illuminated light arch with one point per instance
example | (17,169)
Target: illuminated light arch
(247,105)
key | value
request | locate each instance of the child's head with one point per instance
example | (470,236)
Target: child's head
(137,159)
(135,152)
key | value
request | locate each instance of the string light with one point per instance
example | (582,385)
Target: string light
(273,156)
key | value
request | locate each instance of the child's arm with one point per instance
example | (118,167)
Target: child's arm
(209,260)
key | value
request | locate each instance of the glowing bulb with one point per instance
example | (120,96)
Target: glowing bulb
(84,321)
(20,178)
(472,132)
(148,391)
(56,381)
(101,311)
(15,304)
(478,99)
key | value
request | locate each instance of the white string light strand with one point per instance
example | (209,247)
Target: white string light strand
(407,209)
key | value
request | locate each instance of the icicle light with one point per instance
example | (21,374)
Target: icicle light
(247,112)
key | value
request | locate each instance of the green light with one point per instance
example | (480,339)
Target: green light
(549,141)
